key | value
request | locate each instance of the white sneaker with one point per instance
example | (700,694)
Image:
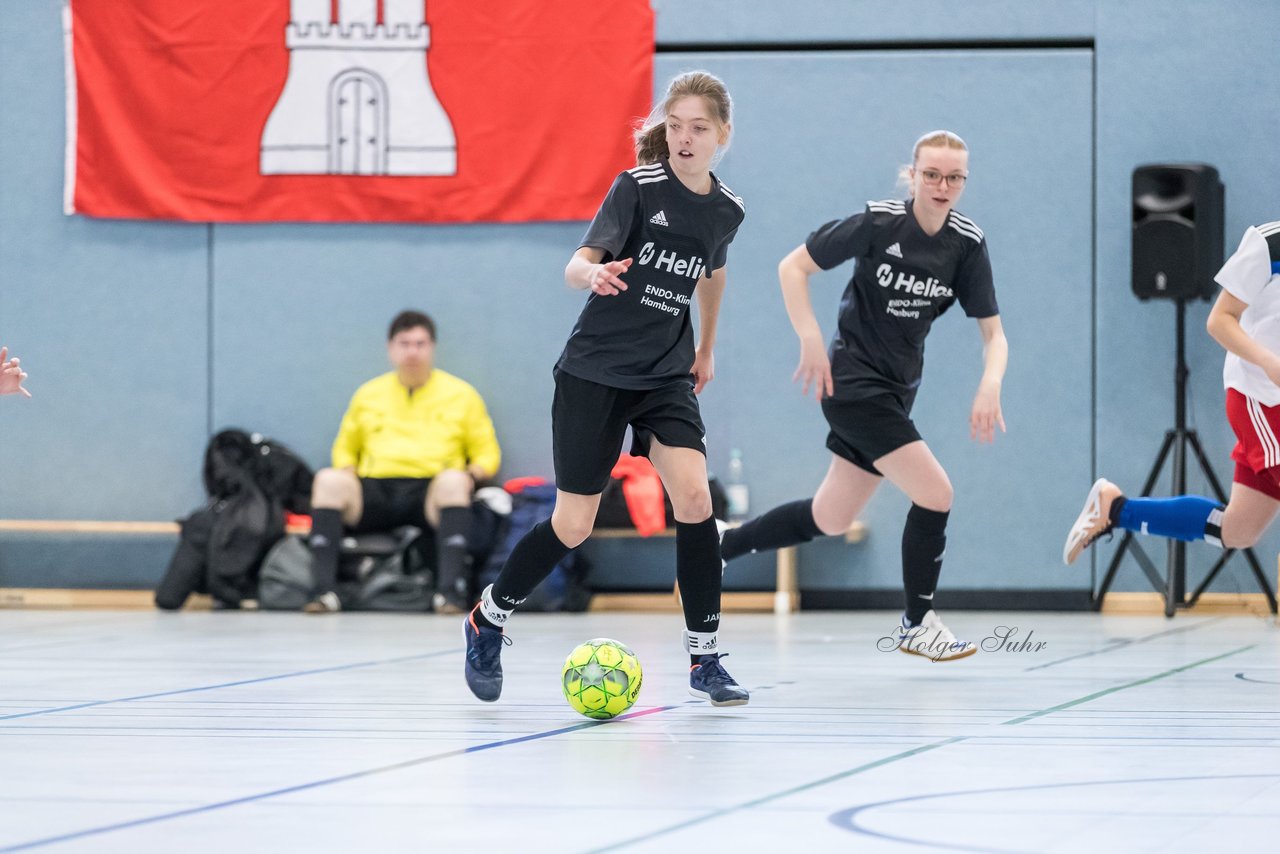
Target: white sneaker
(932,640)
(325,603)
(1094,520)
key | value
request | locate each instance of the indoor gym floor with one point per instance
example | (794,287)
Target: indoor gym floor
(134,731)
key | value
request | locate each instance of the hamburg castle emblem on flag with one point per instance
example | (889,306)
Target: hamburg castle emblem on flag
(358,100)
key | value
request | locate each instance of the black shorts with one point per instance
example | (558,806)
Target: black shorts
(390,502)
(589,423)
(863,431)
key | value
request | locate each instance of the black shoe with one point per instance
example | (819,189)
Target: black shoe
(484,650)
(710,681)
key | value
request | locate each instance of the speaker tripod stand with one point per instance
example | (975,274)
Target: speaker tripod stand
(1176,441)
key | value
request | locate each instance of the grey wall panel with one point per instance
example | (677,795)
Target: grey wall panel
(818,134)
(108,316)
(869,20)
(112,317)
(301,313)
(1179,81)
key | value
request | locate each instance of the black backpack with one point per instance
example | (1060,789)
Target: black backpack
(234,458)
(251,481)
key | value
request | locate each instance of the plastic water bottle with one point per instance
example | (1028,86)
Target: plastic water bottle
(736,490)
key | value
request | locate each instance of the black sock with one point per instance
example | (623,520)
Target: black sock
(530,562)
(924,541)
(698,571)
(325,540)
(452,558)
(1113,515)
(785,525)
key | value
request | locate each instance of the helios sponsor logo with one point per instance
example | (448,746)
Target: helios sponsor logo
(907,283)
(671,262)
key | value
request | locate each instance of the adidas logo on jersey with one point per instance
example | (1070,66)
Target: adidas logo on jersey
(659,218)
(895,250)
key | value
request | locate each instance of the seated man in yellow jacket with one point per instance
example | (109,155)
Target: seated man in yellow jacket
(412,445)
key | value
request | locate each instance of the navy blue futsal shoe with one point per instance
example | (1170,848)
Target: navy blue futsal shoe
(483,667)
(709,680)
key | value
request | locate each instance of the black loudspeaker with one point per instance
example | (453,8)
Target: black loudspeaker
(1177,230)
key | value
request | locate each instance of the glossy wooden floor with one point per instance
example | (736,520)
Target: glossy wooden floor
(246,732)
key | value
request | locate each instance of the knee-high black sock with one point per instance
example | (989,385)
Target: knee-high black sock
(784,525)
(924,541)
(698,571)
(530,561)
(452,559)
(326,538)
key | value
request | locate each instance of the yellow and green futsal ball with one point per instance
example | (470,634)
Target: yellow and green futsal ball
(601,678)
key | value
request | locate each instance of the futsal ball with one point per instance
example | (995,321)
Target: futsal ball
(601,678)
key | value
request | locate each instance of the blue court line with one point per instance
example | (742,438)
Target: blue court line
(906,754)
(1244,678)
(293,675)
(1121,644)
(847,819)
(315,784)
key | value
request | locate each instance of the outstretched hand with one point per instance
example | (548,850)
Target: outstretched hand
(11,375)
(604,277)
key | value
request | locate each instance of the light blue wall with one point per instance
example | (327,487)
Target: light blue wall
(142,336)
(1177,81)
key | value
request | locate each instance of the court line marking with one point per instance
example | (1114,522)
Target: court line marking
(906,754)
(329,781)
(23,846)
(1096,694)
(293,675)
(846,819)
(1126,642)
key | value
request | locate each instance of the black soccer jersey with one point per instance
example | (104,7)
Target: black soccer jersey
(904,280)
(642,337)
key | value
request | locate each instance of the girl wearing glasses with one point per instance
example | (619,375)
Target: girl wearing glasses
(913,259)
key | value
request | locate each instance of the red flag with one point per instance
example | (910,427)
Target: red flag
(352,110)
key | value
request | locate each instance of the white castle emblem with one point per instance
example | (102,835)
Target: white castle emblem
(358,100)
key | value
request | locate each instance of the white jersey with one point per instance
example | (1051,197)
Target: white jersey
(1252,275)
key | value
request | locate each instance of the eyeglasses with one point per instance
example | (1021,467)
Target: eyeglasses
(933,176)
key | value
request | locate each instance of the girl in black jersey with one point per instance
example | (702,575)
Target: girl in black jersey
(660,238)
(913,260)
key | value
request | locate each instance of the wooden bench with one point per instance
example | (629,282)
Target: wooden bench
(784,599)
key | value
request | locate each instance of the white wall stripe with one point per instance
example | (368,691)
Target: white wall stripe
(69,167)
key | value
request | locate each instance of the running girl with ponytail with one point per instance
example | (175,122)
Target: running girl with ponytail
(659,240)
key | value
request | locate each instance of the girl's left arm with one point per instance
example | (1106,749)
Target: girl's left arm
(986,414)
(709,293)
